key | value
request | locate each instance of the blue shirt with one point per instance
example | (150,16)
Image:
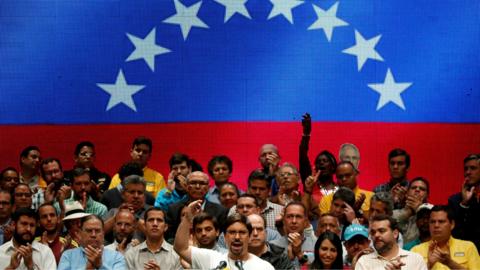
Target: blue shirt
(166,197)
(76,259)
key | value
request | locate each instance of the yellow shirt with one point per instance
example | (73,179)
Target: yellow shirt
(326,201)
(154,179)
(462,252)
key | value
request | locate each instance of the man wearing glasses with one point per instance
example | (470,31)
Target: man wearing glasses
(84,157)
(197,188)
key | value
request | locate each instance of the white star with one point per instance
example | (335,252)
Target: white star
(186,17)
(327,20)
(284,7)
(121,92)
(364,49)
(234,6)
(390,91)
(146,49)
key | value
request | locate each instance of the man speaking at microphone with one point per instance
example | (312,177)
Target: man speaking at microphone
(237,234)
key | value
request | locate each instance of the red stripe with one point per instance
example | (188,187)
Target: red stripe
(437,150)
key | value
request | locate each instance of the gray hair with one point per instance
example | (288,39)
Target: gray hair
(134,179)
(386,198)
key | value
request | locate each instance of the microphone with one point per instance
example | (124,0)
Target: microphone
(239,264)
(221,265)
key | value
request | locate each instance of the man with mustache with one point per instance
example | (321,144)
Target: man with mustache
(125,225)
(22,252)
(197,188)
(259,245)
(91,254)
(298,244)
(81,187)
(49,223)
(237,233)
(133,197)
(444,251)
(388,255)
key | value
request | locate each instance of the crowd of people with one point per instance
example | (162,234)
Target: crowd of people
(314,216)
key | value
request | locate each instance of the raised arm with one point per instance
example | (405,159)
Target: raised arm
(181,245)
(304,161)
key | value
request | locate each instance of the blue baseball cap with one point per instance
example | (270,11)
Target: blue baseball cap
(354,230)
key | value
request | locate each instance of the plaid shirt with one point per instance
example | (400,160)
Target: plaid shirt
(93,207)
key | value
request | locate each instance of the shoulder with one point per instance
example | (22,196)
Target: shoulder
(462,243)
(421,248)
(152,172)
(455,198)
(112,253)
(259,262)
(200,252)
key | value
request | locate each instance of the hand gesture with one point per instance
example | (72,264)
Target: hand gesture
(398,193)
(83,200)
(359,202)
(171,180)
(272,159)
(26,253)
(49,194)
(433,254)
(126,207)
(295,241)
(311,181)
(193,209)
(44,238)
(413,202)
(8,232)
(306,124)
(359,255)
(182,180)
(134,242)
(122,246)
(15,260)
(94,257)
(467,193)
(151,265)
(395,264)
(349,213)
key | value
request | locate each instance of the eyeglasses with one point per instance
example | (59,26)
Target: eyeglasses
(287,174)
(8,179)
(194,183)
(240,233)
(87,154)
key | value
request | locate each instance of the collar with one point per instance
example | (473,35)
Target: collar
(10,246)
(401,254)
(268,207)
(165,247)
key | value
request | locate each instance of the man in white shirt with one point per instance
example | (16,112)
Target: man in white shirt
(237,234)
(123,230)
(22,252)
(388,255)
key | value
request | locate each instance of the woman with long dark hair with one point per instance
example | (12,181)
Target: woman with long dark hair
(328,252)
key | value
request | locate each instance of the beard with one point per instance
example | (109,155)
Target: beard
(20,238)
(381,249)
(119,238)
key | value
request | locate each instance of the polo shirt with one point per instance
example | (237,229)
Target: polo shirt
(462,252)
(326,201)
(153,179)
(375,261)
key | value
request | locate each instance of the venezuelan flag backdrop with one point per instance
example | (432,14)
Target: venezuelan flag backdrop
(225,76)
